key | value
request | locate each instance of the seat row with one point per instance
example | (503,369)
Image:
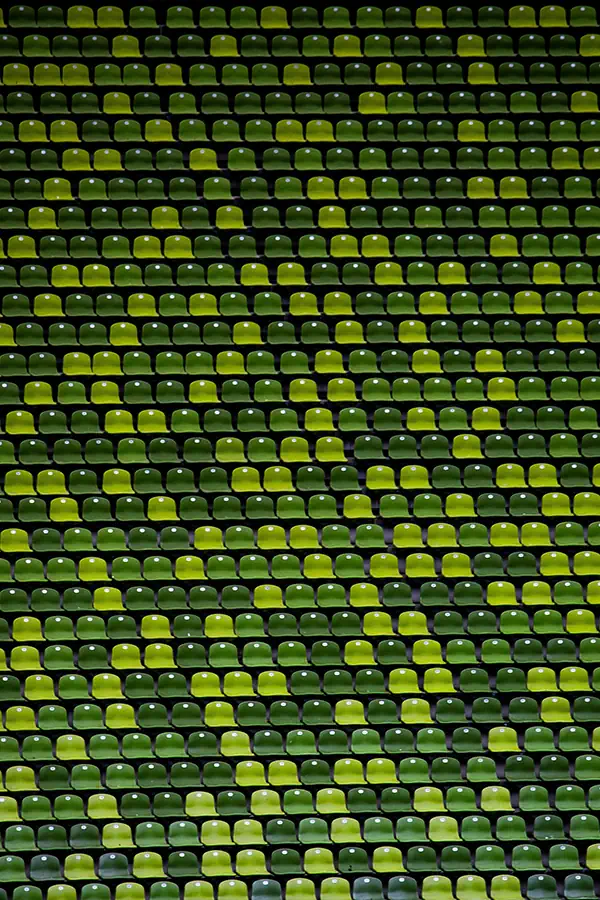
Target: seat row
(273,74)
(299,390)
(251,103)
(70,451)
(294,274)
(325,507)
(188,834)
(306,390)
(345,478)
(280,479)
(264,362)
(385,419)
(256,363)
(344,45)
(398,887)
(307,159)
(341,45)
(316,419)
(371,447)
(319,187)
(489,711)
(307,246)
(231,218)
(446,624)
(243,17)
(299,363)
(497,651)
(315,187)
(302,303)
(322,130)
(313,861)
(39,748)
(236,596)
(314,714)
(279,332)
(418,711)
(289,567)
(376,829)
(159,775)
(440,534)
(400,679)
(120,835)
